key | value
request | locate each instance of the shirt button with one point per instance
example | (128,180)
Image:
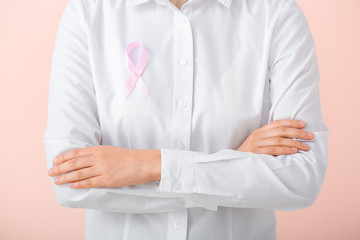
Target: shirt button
(180,145)
(157,183)
(183,61)
(177,225)
(178,186)
(182,103)
(181,19)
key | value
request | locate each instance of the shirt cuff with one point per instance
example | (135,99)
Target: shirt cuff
(177,176)
(176,171)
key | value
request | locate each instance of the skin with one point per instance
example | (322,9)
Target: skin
(178,3)
(106,166)
(109,166)
(275,138)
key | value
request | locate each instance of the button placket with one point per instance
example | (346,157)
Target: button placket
(182,102)
(183,81)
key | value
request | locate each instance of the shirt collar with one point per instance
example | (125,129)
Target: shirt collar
(226,3)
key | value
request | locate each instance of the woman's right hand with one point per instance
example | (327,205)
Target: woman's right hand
(274,138)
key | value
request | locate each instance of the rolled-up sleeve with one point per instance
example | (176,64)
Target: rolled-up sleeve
(233,178)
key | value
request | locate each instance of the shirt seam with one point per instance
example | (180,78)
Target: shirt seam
(276,26)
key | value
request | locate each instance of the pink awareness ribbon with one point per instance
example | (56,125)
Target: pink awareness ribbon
(135,70)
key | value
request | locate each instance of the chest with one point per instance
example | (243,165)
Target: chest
(205,84)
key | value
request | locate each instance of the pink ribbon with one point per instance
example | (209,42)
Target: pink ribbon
(135,70)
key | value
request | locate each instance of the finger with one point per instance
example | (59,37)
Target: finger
(96,181)
(279,141)
(71,165)
(287,132)
(77,175)
(293,123)
(75,153)
(275,150)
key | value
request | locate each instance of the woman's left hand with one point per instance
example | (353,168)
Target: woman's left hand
(106,166)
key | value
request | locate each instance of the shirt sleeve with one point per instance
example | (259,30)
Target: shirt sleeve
(73,122)
(232,178)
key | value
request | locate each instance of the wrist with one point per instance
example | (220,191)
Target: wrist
(153,163)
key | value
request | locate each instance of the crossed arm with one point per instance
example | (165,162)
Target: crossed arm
(109,166)
(243,178)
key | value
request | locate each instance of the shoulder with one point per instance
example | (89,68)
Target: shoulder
(258,5)
(265,11)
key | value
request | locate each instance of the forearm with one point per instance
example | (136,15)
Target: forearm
(73,123)
(152,162)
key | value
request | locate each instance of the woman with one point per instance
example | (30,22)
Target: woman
(173,120)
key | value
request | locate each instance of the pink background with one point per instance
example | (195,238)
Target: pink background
(28,208)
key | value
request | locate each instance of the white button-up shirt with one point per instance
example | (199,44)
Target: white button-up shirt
(216,71)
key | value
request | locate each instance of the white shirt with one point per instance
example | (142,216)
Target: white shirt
(216,71)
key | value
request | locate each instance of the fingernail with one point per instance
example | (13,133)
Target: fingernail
(309,134)
(294,149)
(301,122)
(51,171)
(55,160)
(57,180)
(305,145)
